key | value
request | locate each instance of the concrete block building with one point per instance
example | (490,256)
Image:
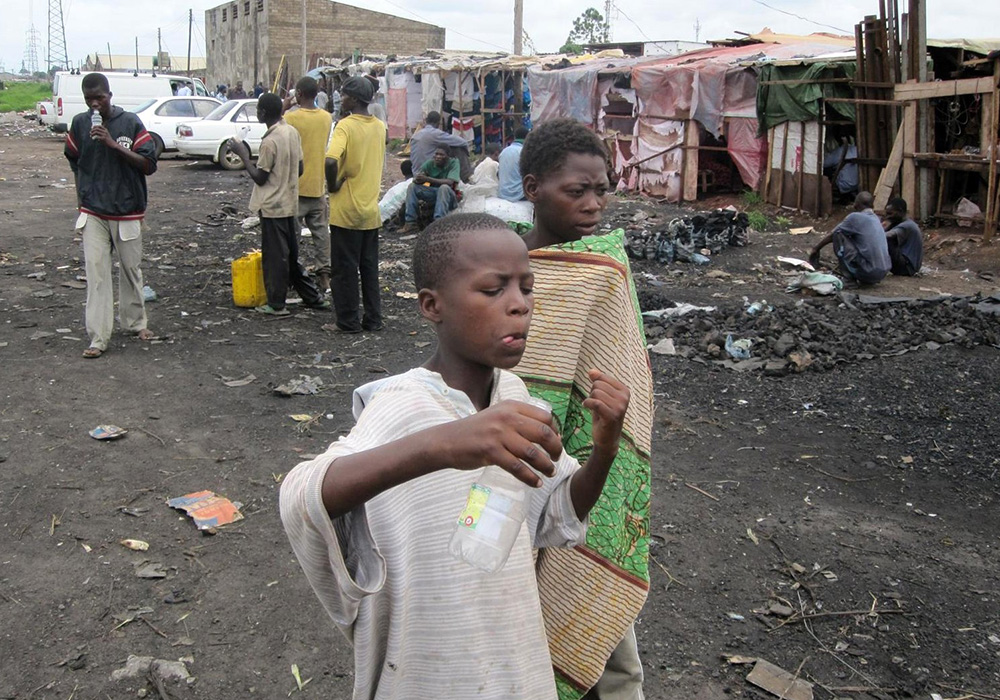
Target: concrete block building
(245,39)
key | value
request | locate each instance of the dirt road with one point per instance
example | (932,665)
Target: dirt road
(841,522)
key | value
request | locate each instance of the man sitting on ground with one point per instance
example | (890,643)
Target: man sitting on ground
(424,142)
(434,182)
(510,168)
(859,242)
(906,243)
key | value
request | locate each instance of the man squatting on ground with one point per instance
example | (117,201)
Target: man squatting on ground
(906,244)
(370,520)
(859,243)
(275,198)
(313,125)
(110,163)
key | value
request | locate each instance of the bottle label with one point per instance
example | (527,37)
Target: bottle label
(478,496)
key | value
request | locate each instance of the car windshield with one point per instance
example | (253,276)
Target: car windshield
(221,111)
(145,105)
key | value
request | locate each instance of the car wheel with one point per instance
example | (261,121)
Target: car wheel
(158,145)
(229,160)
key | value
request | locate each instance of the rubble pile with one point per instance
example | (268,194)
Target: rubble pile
(818,334)
(690,238)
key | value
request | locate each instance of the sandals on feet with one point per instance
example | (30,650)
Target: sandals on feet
(145,334)
(92,353)
(267,309)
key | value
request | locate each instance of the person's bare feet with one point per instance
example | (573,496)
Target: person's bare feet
(145,334)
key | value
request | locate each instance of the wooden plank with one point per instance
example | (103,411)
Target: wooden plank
(692,139)
(770,156)
(781,173)
(945,88)
(887,180)
(779,682)
(992,199)
(909,129)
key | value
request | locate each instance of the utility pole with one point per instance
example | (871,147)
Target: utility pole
(608,6)
(159,49)
(697,29)
(305,64)
(518,27)
(190,24)
(110,66)
(30,63)
(137,54)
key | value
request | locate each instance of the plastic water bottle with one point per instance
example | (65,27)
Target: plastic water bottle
(241,134)
(96,120)
(493,515)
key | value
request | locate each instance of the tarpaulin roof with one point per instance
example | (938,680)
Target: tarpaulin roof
(802,88)
(709,85)
(980,46)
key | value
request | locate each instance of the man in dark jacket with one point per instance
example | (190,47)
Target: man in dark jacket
(110,157)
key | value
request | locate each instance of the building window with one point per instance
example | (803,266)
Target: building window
(260,5)
(246,8)
(223,14)
(235,11)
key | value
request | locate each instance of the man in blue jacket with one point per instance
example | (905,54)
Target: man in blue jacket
(859,243)
(110,160)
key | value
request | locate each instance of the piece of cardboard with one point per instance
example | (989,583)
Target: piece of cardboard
(779,682)
(207,510)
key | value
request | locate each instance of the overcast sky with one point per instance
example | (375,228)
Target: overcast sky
(89,22)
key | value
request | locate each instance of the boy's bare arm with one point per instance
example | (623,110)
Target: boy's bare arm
(608,402)
(507,435)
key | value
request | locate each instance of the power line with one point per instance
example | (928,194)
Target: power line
(453,31)
(622,13)
(804,19)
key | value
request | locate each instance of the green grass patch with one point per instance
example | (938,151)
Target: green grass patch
(758,221)
(751,199)
(18,97)
(782,222)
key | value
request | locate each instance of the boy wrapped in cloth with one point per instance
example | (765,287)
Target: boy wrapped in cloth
(587,315)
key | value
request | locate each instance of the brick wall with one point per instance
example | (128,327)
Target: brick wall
(332,30)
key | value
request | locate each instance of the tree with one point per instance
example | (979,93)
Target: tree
(589,28)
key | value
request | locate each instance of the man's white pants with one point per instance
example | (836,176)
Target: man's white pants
(100,237)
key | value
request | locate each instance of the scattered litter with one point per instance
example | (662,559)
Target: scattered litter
(736,659)
(108,432)
(64,330)
(207,510)
(684,238)
(777,681)
(407,295)
(150,570)
(736,616)
(758,306)
(664,347)
(75,284)
(38,335)
(301,417)
(250,222)
(717,274)
(298,678)
(966,211)
(801,230)
(738,349)
(817,283)
(149,294)
(135,545)
(36,276)
(780,609)
(143,666)
(304,386)
(240,382)
(796,262)
(752,536)
(42,293)
(680,309)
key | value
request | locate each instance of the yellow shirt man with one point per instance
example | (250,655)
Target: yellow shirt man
(358,146)
(313,126)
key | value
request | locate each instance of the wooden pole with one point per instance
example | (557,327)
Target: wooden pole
(801,166)
(820,144)
(518,26)
(784,157)
(990,226)
(770,155)
(190,25)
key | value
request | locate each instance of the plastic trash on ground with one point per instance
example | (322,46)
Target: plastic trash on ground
(207,510)
(738,349)
(817,283)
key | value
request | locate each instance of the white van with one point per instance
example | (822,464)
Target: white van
(129,90)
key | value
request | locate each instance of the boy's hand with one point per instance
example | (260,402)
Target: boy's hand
(508,435)
(607,403)
(240,148)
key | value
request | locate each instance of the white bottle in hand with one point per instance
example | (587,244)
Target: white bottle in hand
(493,515)
(96,120)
